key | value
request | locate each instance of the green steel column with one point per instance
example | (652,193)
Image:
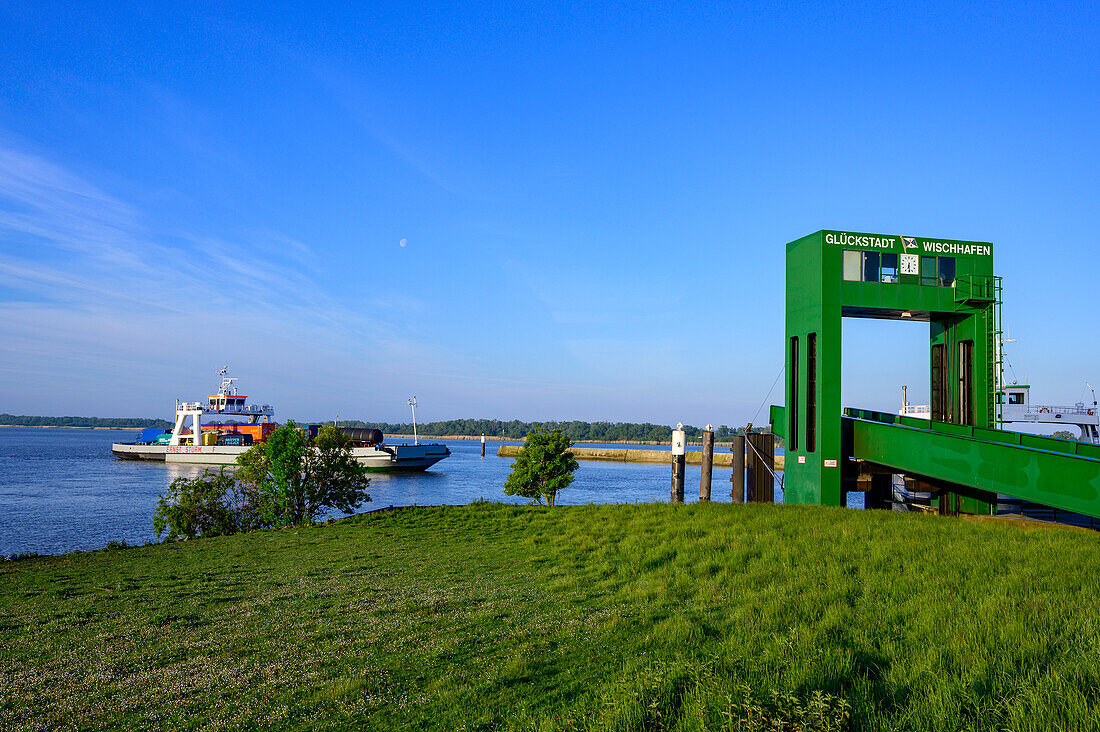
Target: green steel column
(813,477)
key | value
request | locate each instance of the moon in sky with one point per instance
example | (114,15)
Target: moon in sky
(404,242)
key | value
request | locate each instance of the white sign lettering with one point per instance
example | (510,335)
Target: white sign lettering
(906,244)
(858,240)
(943,247)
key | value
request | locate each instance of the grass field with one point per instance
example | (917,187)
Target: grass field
(596,617)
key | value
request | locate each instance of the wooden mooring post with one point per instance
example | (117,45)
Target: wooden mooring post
(678,460)
(708,463)
(483,446)
(737,491)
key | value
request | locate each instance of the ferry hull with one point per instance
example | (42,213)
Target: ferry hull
(404,457)
(400,458)
(130,451)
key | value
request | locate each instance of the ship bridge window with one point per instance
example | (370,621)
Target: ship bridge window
(1015,398)
(889,267)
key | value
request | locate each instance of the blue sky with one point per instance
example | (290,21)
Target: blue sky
(594,198)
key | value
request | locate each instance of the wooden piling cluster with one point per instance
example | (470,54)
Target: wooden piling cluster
(753,479)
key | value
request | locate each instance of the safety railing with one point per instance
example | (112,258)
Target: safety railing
(1051,409)
(977,289)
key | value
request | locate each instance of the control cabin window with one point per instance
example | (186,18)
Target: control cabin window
(852,262)
(870,266)
(928,271)
(947,271)
(889,268)
(1016,398)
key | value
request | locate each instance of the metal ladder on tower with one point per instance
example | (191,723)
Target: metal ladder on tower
(981,295)
(995,368)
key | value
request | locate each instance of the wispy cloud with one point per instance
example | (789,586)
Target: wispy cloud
(370,111)
(90,293)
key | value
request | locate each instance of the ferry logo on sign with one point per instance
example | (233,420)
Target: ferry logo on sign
(909,242)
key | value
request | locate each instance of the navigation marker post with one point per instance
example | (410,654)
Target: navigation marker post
(678,464)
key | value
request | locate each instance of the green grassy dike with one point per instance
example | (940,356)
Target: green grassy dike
(597,617)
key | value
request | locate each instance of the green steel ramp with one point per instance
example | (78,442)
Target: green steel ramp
(1058,473)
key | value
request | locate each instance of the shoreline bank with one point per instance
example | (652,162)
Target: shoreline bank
(721,459)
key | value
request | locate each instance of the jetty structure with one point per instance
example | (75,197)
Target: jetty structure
(958,454)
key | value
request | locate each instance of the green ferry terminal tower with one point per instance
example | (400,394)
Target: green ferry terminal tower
(959,454)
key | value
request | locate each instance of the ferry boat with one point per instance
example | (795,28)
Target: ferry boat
(221,444)
(1014,403)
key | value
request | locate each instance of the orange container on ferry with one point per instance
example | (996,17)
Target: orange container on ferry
(259,432)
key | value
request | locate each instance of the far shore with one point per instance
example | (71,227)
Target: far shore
(66,427)
(488,438)
(491,438)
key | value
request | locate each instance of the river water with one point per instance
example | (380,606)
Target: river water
(62,490)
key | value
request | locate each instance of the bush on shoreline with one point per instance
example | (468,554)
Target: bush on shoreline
(288,480)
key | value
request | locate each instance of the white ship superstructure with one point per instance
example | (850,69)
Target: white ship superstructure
(1017,407)
(1014,401)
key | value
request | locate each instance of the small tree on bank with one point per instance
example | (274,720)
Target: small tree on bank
(543,467)
(299,480)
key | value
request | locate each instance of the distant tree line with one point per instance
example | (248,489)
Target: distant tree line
(24,420)
(575,431)
(513,429)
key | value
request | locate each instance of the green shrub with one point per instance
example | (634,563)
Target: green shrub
(211,505)
(543,467)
